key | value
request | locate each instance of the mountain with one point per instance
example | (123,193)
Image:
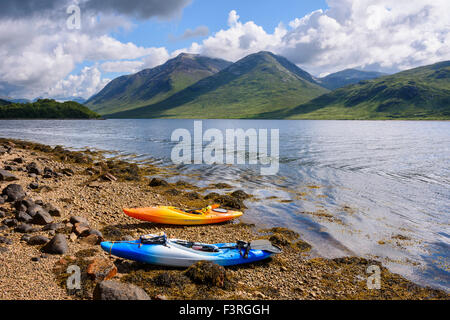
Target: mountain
(46,109)
(79,100)
(4,102)
(153,85)
(346,77)
(256,86)
(420,93)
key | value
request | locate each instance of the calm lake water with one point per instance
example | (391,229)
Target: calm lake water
(348,187)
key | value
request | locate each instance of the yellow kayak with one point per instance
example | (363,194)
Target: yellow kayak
(173,215)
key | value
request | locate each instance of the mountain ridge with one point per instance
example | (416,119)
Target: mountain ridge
(258,82)
(155,84)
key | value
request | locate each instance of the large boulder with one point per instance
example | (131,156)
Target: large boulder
(58,245)
(112,290)
(7,176)
(208,273)
(14,192)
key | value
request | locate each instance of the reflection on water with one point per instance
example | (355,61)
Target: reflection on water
(379,189)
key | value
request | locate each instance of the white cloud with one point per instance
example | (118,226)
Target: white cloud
(87,83)
(378,34)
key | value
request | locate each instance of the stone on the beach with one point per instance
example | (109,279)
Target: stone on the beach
(34,209)
(2,200)
(25,238)
(173,192)
(54,227)
(81,229)
(112,290)
(68,172)
(101,269)
(33,168)
(3,249)
(95,232)
(23,216)
(73,237)
(5,240)
(155,182)
(91,239)
(24,228)
(109,177)
(18,160)
(34,185)
(42,217)
(10,222)
(7,176)
(38,240)
(14,192)
(54,211)
(58,245)
(75,219)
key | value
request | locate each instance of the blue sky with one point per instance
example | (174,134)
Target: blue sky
(214,15)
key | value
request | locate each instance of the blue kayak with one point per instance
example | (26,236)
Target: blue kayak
(181,253)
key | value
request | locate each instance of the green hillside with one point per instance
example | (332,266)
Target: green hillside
(420,93)
(46,109)
(346,77)
(256,86)
(153,85)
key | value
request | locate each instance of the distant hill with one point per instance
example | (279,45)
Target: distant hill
(256,86)
(346,77)
(80,100)
(420,93)
(153,85)
(46,109)
(4,102)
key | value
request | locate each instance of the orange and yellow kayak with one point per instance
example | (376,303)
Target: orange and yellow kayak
(173,215)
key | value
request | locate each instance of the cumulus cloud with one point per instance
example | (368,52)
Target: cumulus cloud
(37,52)
(155,57)
(84,85)
(384,35)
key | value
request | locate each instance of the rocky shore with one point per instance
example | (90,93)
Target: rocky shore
(57,205)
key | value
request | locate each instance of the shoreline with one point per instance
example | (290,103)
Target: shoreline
(97,189)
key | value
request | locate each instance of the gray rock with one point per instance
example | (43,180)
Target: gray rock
(95,232)
(10,222)
(2,200)
(58,245)
(25,238)
(10,168)
(24,228)
(3,249)
(34,209)
(33,168)
(5,240)
(23,216)
(34,185)
(42,217)
(113,290)
(7,176)
(14,192)
(18,160)
(54,211)
(75,219)
(38,240)
(54,227)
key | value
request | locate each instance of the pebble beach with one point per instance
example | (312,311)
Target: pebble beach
(57,205)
